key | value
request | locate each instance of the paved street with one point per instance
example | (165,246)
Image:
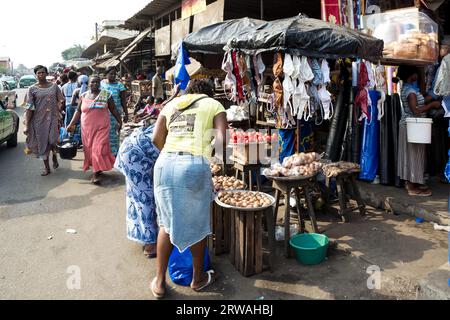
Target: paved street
(34,208)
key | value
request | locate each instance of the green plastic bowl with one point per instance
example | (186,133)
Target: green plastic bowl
(310,248)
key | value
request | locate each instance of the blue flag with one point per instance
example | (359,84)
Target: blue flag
(181,74)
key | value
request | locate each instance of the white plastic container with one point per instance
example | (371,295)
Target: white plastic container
(419,130)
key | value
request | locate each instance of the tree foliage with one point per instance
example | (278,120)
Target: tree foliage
(73,52)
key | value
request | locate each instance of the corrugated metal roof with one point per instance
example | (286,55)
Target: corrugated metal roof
(151,9)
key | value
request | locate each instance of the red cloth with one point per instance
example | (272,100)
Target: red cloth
(237,74)
(95,125)
(362,98)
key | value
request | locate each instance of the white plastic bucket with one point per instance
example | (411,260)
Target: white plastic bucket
(419,130)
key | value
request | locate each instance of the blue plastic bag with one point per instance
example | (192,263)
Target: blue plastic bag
(63,134)
(370,150)
(180,266)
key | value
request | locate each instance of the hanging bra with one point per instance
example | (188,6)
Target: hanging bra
(297,65)
(230,79)
(278,65)
(300,99)
(305,72)
(288,91)
(317,71)
(325,98)
(288,67)
(325,71)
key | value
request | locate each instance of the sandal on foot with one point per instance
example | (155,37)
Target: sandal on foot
(211,279)
(45,172)
(156,294)
(96,181)
(149,254)
(419,193)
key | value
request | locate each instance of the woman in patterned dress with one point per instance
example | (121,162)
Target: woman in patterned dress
(118,92)
(42,119)
(135,160)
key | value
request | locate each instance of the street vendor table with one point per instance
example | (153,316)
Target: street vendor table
(245,238)
(344,180)
(284,186)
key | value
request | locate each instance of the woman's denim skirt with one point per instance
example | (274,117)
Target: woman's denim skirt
(183,194)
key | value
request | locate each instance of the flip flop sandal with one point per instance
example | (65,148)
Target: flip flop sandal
(156,294)
(45,172)
(96,181)
(210,281)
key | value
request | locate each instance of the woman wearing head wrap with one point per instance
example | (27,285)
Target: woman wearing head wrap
(118,92)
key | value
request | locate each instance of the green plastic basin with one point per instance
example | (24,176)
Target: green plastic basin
(310,248)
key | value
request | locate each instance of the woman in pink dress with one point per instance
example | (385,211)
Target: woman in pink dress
(94,108)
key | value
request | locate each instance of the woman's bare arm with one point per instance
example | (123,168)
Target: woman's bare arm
(160,132)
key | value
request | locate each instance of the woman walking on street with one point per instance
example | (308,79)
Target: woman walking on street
(183,185)
(118,92)
(95,127)
(42,119)
(135,160)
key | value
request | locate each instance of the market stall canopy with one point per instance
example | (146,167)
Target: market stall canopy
(194,69)
(79,63)
(212,39)
(301,35)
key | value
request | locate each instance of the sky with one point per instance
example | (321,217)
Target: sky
(37,31)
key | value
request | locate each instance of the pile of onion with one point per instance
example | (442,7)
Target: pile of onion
(301,164)
(245,199)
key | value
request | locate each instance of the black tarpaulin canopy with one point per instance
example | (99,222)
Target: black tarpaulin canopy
(213,38)
(301,35)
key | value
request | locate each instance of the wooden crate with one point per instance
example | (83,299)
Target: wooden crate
(246,242)
(247,153)
(219,242)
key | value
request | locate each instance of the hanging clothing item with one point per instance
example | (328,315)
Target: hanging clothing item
(278,65)
(380,79)
(446,106)
(287,143)
(380,105)
(305,72)
(288,66)
(239,83)
(297,65)
(288,91)
(371,75)
(362,98)
(242,64)
(325,71)
(442,86)
(371,142)
(355,68)
(301,99)
(230,79)
(315,104)
(325,99)
(317,71)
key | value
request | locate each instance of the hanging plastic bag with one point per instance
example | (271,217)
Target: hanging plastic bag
(181,267)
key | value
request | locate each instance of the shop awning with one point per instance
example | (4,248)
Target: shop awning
(141,37)
(115,60)
(213,38)
(301,35)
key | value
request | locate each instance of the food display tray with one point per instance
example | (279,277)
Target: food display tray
(226,206)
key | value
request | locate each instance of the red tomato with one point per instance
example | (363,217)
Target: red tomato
(268,138)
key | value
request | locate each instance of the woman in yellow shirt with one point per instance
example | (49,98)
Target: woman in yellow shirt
(183,185)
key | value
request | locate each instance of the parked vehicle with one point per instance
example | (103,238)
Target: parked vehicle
(9,126)
(8,97)
(10,80)
(27,81)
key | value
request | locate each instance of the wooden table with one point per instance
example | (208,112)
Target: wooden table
(246,170)
(284,186)
(344,180)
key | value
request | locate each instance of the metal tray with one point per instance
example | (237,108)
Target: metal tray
(226,206)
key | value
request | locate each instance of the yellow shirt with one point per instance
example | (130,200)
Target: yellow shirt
(192,131)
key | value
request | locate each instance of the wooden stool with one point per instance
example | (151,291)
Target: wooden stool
(219,242)
(343,180)
(285,188)
(246,241)
(247,170)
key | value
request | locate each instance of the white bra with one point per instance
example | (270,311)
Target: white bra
(230,79)
(301,100)
(305,70)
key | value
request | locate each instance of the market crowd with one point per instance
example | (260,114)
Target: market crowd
(165,167)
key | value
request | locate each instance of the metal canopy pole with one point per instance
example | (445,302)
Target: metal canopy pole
(262,9)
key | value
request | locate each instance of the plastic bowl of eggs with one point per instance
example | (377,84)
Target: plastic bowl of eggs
(245,200)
